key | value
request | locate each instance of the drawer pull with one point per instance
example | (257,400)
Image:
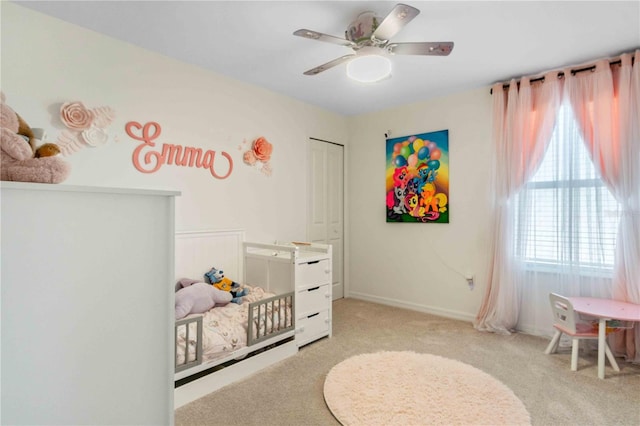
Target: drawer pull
(313,289)
(313,315)
(313,262)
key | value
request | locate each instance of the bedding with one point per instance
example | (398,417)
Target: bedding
(225,327)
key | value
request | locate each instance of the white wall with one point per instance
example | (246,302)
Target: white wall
(416,265)
(46,62)
(413,265)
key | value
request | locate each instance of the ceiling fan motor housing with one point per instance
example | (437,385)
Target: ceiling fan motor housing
(361,30)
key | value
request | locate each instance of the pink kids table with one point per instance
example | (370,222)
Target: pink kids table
(605,310)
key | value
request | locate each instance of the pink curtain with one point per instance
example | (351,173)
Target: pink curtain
(606,104)
(523,122)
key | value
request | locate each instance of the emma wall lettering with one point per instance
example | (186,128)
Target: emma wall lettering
(147,160)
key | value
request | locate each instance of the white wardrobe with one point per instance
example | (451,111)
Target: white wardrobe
(87,315)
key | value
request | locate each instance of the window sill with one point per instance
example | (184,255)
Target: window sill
(559,269)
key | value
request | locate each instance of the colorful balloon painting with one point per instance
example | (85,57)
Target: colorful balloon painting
(417,178)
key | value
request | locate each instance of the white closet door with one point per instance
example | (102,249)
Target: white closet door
(326,210)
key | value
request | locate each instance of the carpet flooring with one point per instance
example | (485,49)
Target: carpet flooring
(291,391)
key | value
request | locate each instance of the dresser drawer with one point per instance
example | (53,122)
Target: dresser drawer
(312,300)
(312,327)
(313,273)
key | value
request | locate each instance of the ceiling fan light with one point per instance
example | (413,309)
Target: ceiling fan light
(369,68)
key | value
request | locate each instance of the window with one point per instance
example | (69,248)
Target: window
(565,215)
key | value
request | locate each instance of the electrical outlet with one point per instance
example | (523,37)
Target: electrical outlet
(470,281)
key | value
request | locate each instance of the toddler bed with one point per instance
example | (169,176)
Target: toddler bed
(231,331)
(228,342)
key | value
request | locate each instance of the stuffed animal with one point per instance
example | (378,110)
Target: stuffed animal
(196,297)
(20,159)
(217,279)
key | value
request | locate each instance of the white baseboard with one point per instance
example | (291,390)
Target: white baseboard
(463,316)
(212,382)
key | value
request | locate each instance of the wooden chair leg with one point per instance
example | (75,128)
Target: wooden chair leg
(553,344)
(575,347)
(611,358)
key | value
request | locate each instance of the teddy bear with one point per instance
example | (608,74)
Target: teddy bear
(216,278)
(197,297)
(20,158)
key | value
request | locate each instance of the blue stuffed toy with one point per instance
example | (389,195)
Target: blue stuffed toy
(216,278)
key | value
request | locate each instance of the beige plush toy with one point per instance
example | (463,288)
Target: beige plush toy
(20,159)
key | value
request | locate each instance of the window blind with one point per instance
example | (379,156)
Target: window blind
(565,215)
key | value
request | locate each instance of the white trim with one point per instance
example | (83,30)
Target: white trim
(559,268)
(346,229)
(171,247)
(205,385)
(463,316)
(236,354)
(81,188)
(238,236)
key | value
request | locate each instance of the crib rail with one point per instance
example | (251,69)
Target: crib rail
(189,359)
(271,317)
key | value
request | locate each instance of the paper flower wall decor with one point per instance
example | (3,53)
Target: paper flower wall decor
(259,155)
(84,126)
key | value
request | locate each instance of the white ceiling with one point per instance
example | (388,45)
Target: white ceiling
(252,41)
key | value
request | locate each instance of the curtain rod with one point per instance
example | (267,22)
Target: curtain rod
(573,72)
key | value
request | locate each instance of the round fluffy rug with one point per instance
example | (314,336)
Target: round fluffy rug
(407,388)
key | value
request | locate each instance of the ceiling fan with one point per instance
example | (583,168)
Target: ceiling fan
(368,35)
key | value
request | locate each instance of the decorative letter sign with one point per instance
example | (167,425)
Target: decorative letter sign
(179,155)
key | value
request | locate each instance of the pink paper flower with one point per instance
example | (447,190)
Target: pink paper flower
(75,115)
(249,157)
(262,149)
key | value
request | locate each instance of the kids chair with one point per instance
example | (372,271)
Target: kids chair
(564,319)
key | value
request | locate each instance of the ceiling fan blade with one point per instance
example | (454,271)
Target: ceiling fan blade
(442,48)
(314,35)
(399,16)
(330,64)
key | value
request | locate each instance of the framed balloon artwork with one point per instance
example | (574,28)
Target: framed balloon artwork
(417,178)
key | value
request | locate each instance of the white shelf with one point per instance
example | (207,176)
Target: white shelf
(81,188)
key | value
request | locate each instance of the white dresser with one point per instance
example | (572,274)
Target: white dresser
(305,269)
(87,305)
